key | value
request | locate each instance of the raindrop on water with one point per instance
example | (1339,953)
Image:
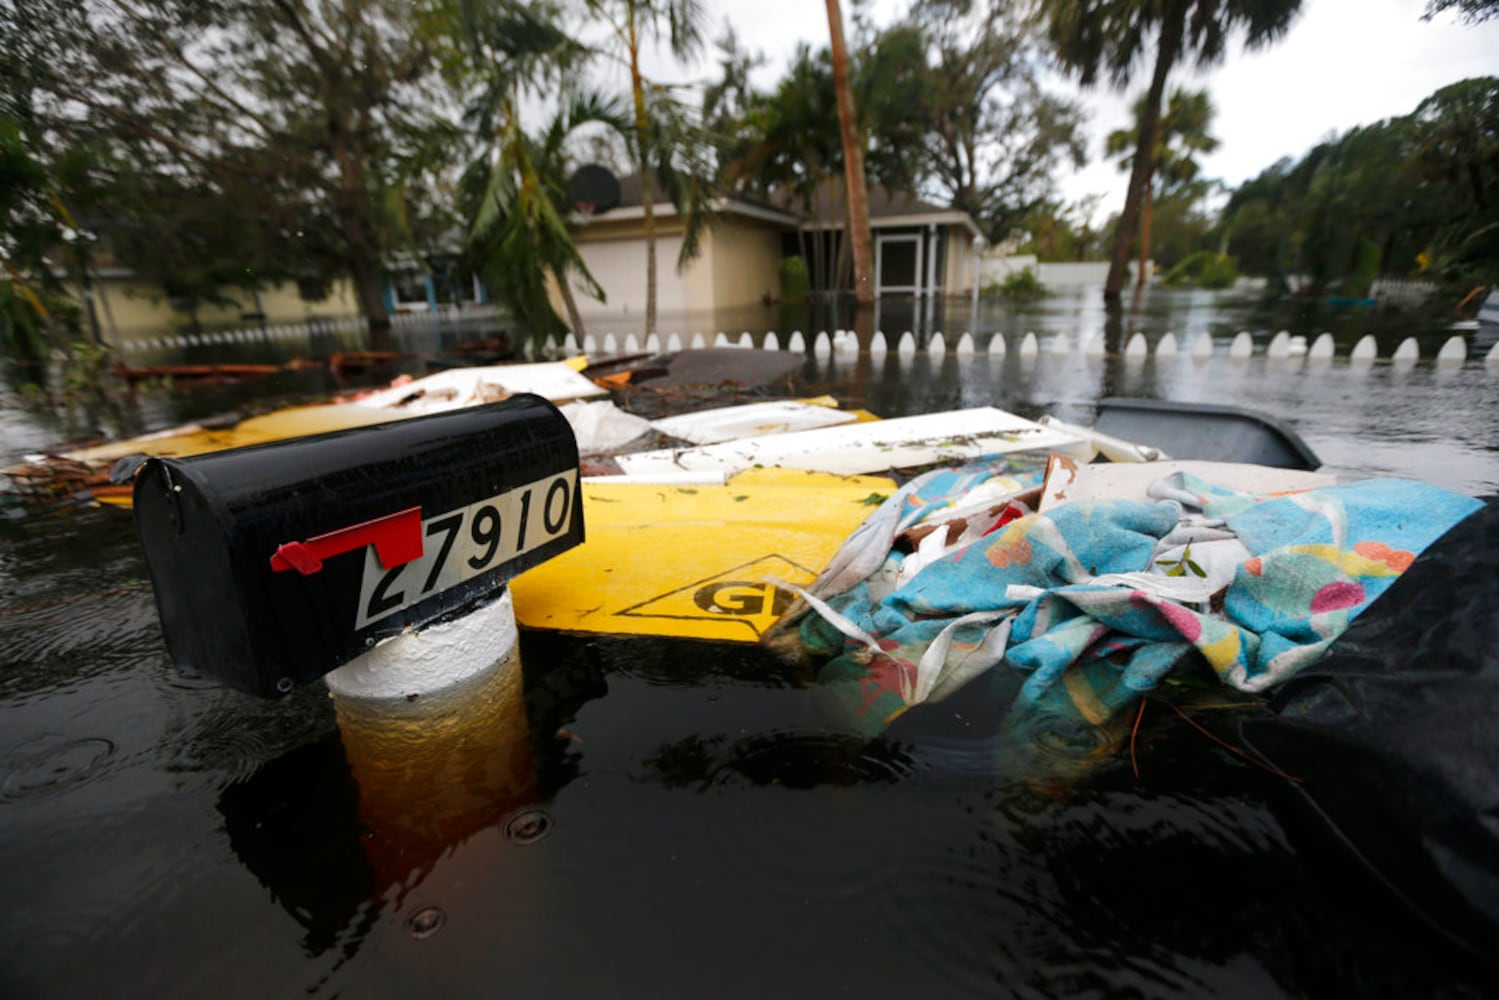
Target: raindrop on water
(529,826)
(425,922)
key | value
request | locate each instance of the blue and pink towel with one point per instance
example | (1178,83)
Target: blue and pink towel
(1082,600)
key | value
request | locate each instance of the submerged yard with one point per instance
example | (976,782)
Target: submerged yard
(673,817)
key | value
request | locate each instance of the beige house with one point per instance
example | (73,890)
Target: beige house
(128,309)
(921,250)
(739,263)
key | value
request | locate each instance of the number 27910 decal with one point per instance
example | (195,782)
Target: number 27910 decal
(461,544)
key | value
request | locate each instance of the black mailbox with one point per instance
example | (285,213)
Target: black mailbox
(275,564)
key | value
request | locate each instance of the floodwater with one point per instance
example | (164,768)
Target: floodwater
(671,818)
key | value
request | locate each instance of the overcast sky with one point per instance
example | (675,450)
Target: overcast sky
(1344,63)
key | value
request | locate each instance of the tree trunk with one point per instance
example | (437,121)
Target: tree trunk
(853,165)
(801,245)
(647,189)
(369,291)
(1144,244)
(364,259)
(1144,161)
(821,252)
(841,261)
(574,318)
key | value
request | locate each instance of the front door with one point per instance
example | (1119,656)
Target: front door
(897,267)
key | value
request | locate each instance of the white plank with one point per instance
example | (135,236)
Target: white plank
(851,449)
(731,423)
(459,387)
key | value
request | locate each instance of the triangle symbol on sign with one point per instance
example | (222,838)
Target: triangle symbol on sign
(743,594)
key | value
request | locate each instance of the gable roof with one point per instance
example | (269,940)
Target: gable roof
(887,208)
(630,205)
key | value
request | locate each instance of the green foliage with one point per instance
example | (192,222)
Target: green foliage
(1183,565)
(1018,286)
(1204,269)
(667,143)
(1365,270)
(1108,38)
(312,134)
(793,280)
(1424,187)
(36,229)
(23,333)
(1055,231)
(1181,134)
(982,90)
(1471,11)
(85,368)
(1181,225)
(512,193)
(950,103)
(1178,225)
(680,159)
(732,109)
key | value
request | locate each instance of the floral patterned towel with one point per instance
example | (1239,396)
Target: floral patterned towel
(1097,601)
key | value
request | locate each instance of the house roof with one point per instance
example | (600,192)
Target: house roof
(630,205)
(887,208)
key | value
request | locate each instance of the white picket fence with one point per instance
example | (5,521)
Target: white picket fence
(825,343)
(1402,291)
(352,327)
(1282,346)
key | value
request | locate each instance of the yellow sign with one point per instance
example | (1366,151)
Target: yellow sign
(751,596)
(701,562)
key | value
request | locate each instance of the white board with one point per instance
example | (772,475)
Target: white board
(730,423)
(851,449)
(1131,481)
(459,387)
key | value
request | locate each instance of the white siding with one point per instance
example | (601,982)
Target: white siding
(619,268)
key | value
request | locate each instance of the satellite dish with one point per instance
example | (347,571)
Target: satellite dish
(593,189)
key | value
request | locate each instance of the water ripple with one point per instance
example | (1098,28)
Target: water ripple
(38,772)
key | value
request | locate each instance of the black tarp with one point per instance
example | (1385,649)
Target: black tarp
(1395,734)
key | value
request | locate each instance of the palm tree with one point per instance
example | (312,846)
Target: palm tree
(1182,133)
(635,22)
(1461,136)
(1111,36)
(513,192)
(517,200)
(791,145)
(1471,11)
(853,164)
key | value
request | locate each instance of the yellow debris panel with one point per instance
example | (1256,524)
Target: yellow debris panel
(191,439)
(698,562)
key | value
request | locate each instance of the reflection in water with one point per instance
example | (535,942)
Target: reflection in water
(347,828)
(294,823)
(344,829)
(433,771)
(788,759)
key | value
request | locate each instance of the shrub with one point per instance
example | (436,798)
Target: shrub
(1018,286)
(1204,269)
(794,281)
(1365,269)
(85,368)
(32,319)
